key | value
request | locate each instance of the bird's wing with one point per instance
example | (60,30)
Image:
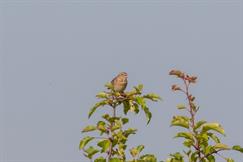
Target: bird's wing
(113,80)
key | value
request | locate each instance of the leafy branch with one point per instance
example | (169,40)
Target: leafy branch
(201,137)
(113,136)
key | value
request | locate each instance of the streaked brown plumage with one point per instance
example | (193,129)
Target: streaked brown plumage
(120,82)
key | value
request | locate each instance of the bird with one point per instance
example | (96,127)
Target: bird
(120,82)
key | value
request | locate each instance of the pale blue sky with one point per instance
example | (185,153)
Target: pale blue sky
(57,54)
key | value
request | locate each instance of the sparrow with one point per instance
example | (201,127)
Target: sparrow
(120,82)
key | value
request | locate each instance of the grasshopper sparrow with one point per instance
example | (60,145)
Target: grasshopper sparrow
(120,82)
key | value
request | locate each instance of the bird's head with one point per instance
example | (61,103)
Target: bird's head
(124,74)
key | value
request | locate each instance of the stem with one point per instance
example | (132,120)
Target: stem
(100,137)
(192,113)
(114,111)
(214,152)
(110,133)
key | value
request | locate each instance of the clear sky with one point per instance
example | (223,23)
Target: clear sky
(57,54)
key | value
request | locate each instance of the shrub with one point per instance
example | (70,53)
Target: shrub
(202,139)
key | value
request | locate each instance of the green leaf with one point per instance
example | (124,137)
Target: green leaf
(109,86)
(203,139)
(131,93)
(126,107)
(211,158)
(90,152)
(120,136)
(181,121)
(114,119)
(131,106)
(148,158)
(140,148)
(214,137)
(100,159)
(129,131)
(188,153)
(121,149)
(89,128)
(199,124)
(176,157)
(104,144)
(85,141)
(98,104)
(181,106)
(238,148)
(136,108)
(203,136)
(221,146)
(213,126)
(186,135)
(152,97)
(188,143)
(116,125)
(125,120)
(106,117)
(193,157)
(139,88)
(116,160)
(148,114)
(168,160)
(136,150)
(142,103)
(102,95)
(101,125)
(208,150)
(229,160)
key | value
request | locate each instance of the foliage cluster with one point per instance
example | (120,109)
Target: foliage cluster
(202,139)
(113,136)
